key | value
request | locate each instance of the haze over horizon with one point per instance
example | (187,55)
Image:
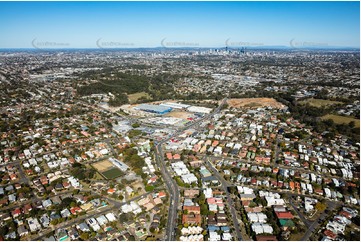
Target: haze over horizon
(179,24)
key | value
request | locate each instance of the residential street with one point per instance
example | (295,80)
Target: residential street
(229,199)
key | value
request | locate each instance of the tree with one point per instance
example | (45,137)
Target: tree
(66,202)
(84,236)
(54,222)
(124,217)
(204,209)
(233,190)
(149,188)
(4,230)
(136,125)
(320,206)
(351,124)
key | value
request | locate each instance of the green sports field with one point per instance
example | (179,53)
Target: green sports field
(112,173)
(319,102)
(338,119)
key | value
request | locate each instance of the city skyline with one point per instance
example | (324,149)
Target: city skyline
(179,24)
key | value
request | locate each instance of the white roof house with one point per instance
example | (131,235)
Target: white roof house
(208,193)
(271,201)
(257,217)
(189,178)
(214,236)
(34,224)
(102,220)
(111,217)
(260,228)
(93,224)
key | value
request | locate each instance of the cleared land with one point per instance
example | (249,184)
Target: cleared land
(341,119)
(319,102)
(107,169)
(254,102)
(103,165)
(112,173)
(135,96)
(179,114)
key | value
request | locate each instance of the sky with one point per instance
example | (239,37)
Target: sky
(178,24)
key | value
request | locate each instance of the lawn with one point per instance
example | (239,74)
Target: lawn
(135,96)
(97,175)
(319,102)
(338,119)
(296,237)
(112,173)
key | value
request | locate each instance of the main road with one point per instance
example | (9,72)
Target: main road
(173,190)
(172,186)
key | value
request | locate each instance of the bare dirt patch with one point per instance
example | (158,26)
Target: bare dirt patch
(178,114)
(138,186)
(103,165)
(254,102)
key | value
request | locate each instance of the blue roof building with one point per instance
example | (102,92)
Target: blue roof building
(212,228)
(225,228)
(154,108)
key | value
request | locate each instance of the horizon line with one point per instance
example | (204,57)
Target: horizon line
(190,48)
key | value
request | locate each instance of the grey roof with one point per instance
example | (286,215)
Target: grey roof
(247,195)
(44,219)
(9,188)
(22,229)
(210,178)
(11,235)
(54,215)
(65,213)
(95,202)
(83,227)
(56,200)
(12,197)
(47,203)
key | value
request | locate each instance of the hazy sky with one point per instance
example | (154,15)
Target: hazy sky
(153,24)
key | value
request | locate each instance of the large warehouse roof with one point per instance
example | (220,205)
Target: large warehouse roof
(153,108)
(175,105)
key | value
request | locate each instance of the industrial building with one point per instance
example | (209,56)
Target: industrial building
(154,108)
(196,109)
(175,105)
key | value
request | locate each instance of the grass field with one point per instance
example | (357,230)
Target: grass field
(135,96)
(97,175)
(112,173)
(341,119)
(319,102)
